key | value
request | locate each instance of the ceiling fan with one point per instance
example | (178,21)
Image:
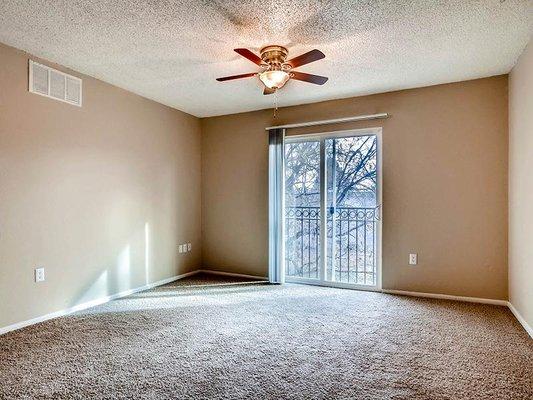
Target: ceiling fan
(276,71)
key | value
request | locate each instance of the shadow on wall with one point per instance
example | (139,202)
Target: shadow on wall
(119,277)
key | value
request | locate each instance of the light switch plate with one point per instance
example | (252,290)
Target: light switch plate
(180,248)
(39,274)
(189,246)
(413,259)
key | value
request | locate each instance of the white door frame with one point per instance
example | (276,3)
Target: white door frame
(321,137)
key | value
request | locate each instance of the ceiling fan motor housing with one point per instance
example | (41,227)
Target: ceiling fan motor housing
(274,56)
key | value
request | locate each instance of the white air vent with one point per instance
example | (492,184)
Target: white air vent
(55,84)
(73,90)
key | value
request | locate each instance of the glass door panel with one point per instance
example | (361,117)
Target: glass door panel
(352,214)
(302,209)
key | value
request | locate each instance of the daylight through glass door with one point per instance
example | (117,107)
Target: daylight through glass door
(302,209)
(332,208)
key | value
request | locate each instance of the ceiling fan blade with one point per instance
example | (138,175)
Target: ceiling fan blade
(229,78)
(306,58)
(249,55)
(269,91)
(316,79)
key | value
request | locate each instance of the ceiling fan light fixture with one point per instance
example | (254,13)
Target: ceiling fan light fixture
(274,79)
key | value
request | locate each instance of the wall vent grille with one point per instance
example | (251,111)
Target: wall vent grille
(49,82)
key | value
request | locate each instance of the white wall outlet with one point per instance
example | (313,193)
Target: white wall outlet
(39,274)
(189,246)
(413,259)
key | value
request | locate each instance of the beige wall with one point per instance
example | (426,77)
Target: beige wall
(521,185)
(99,195)
(445,152)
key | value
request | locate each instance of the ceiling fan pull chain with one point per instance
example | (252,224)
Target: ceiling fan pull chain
(275,104)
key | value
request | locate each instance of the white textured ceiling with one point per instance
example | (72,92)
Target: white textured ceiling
(172,50)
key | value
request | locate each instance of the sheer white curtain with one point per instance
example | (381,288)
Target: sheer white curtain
(276,214)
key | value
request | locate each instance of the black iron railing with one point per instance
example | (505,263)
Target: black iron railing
(351,243)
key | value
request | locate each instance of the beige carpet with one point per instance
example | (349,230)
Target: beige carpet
(198,340)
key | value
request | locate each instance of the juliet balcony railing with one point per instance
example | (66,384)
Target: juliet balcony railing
(351,243)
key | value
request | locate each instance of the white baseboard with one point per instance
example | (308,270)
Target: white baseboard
(215,272)
(106,299)
(521,319)
(447,297)
(91,303)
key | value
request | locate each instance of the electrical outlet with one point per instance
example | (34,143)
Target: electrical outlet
(413,259)
(189,246)
(39,274)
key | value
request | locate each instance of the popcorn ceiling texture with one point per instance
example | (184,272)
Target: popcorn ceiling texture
(172,51)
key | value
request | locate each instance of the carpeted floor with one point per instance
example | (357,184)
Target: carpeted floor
(213,338)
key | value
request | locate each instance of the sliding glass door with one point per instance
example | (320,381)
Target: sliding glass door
(332,209)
